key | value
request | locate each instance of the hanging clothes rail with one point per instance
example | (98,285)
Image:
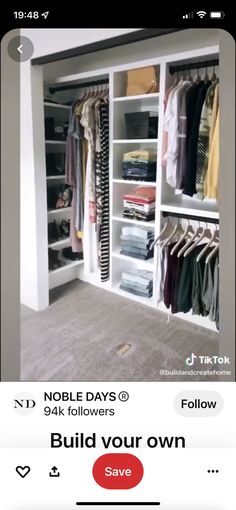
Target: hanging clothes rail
(52,90)
(194,65)
(190,217)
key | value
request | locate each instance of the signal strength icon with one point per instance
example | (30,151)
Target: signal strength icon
(201,14)
(188,16)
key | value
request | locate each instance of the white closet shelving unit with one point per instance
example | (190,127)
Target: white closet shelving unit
(120,104)
(60,113)
(166,199)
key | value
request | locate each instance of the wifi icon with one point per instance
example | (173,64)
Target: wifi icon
(201,14)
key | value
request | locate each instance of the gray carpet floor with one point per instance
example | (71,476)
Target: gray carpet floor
(77,337)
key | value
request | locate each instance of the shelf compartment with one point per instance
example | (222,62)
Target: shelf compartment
(139,299)
(182,201)
(60,244)
(65,274)
(121,147)
(119,265)
(120,81)
(60,113)
(116,242)
(147,264)
(68,264)
(140,107)
(55,146)
(191,211)
(118,193)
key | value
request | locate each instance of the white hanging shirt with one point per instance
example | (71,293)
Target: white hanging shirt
(171,125)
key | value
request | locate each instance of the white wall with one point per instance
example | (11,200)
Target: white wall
(149,48)
(48,41)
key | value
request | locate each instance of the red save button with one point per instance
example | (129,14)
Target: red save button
(118,471)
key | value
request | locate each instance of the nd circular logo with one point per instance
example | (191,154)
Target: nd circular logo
(24,403)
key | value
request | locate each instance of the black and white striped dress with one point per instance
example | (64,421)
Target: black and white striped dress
(104,226)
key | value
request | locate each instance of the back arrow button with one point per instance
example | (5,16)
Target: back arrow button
(20,48)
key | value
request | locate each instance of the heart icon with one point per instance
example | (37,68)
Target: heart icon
(23,471)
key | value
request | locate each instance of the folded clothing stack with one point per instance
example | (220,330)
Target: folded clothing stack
(136,242)
(139,165)
(140,204)
(138,282)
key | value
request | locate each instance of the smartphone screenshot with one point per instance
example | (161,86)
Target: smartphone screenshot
(117,262)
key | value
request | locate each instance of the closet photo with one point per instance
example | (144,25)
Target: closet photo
(129,199)
(160,161)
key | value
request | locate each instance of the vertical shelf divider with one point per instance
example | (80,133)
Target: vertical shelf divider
(111,170)
(159,176)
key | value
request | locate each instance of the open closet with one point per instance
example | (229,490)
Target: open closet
(139,191)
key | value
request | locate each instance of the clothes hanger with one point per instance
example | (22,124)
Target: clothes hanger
(93,90)
(176,83)
(214,238)
(198,77)
(90,92)
(105,95)
(82,101)
(190,240)
(176,79)
(177,230)
(205,233)
(101,92)
(106,89)
(167,225)
(215,250)
(188,230)
(87,93)
(189,77)
(89,97)
(84,94)
(213,76)
(206,77)
(96,93)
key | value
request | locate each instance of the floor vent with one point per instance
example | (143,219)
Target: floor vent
(123,349)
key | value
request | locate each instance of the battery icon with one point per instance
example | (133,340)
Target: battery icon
(217,14)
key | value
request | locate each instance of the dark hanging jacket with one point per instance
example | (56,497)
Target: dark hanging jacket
(195,110)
